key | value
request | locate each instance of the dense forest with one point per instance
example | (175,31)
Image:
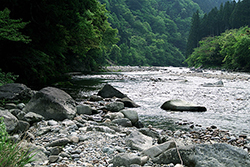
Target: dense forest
(41,40)
(221,38)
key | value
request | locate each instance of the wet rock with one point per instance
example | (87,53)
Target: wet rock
(131,115)
(125,122)
(180,105)
(10,121)
(84,109)
(52,103)
(124,159)
(95,98)
(109,91)
(15,91)
(115,106)
(128,102)
(138,141)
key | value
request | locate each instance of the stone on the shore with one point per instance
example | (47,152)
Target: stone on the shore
(215,155)
(131,115)
(10,121)
(149,132)
(32,117)
(138,141)
(18,113)
(15,91)
(100,129)
(38,152)
(95,98)
(115,106)
(115,115)
(180,105)
(22,126)
(109,91)
(155,151)
(58,142)
(125,159)
(52,103)
(129,103)
(83,109)
(125,122)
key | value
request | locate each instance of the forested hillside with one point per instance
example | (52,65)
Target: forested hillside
(152,32)
(207,5)
(229,50)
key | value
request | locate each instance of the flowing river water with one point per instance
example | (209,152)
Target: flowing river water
(228,106)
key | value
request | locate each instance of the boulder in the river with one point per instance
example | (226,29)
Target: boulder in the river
(52,103)
(180,105)
(215,155)
(15,91)
(216,84)
(109,91)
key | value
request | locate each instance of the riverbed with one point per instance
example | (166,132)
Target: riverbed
(228,106)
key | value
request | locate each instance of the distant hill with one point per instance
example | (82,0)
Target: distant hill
(152,32)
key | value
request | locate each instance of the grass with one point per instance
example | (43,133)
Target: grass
(11,154)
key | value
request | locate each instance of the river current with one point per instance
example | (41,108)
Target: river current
(228,106)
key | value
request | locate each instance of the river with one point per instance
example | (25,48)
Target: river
(228,107)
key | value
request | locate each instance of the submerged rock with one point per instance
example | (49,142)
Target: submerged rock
(216,84)
(180,105)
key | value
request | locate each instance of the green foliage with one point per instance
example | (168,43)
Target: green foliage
(9,28)
(230,50)
(152,32)
(66,36)
(11,154)
(7,77)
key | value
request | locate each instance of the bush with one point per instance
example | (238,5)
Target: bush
(7,77)
(11,154)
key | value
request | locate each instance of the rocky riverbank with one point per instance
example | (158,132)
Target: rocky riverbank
(103,130)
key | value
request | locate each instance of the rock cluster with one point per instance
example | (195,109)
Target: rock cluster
(103,131)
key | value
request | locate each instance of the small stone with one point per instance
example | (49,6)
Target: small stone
(20,106)
(214,127)
(74,139)
(59,142)
(10,106)
(52,123)
(53,158)
(243,136)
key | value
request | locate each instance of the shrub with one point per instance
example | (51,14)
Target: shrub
(11,154)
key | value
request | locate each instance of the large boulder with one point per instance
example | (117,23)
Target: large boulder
(52,103)
(109,91)
(15,91)
(208,155)
(180,105)
(10,121)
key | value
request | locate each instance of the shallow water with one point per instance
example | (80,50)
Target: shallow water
(228,107)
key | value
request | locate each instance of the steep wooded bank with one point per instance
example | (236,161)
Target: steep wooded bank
(39,40)
(209,48)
